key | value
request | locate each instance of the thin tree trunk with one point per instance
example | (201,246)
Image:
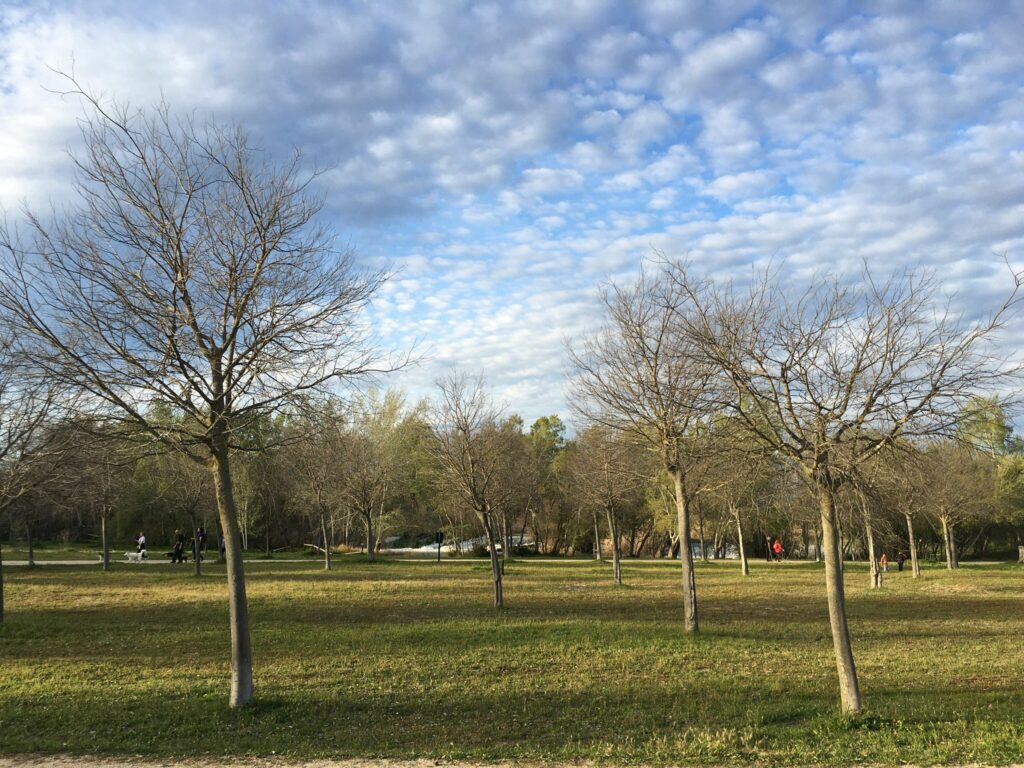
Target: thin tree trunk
(106,541)
(241,649)
(849,691)
(369,536)
(1,584)
(950,545)
(874,571)
(700,530)
(613,526)
(496,565)
(915,564)
(744,565)
(597,537)
(31,548)
(691,622)
(327,544)
(197,555)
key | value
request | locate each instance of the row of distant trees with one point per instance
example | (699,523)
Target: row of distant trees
(175,345)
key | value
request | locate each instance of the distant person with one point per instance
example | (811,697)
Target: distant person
(178,553)
(768,539)
(201,538)
(777,550)
(900,559)
(140,543)
(883,561)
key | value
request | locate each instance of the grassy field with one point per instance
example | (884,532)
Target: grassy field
(407,659)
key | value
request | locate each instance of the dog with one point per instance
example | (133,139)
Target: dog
(136,557)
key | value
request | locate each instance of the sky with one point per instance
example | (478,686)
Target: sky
(506,159)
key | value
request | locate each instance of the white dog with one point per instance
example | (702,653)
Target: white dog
(136,557)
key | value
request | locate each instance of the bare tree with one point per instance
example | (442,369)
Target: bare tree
(607,478)
(192,272)
(26,406)
(472,451)
(640,375)
(830,376)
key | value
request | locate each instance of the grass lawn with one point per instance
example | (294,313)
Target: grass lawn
(407,659)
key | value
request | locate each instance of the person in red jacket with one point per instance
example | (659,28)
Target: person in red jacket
(777,549)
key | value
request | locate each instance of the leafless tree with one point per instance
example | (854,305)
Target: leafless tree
(642,376)
(26,446)
(193,273)
(829,376)
(607,477)
(471,450)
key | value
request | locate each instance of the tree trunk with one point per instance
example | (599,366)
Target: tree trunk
(241,650)
(613,526)
(874,571)
(700,531)
(949,543)
(327,544)
(496,565)
(1,584)
(31,548)
(915,563)
(690,618)
(106,541)
(597,537)
(744,565)
(849,691)
(369,536)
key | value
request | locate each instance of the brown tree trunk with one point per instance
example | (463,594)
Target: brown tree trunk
(744,565)
(700,531)
(31,548)
(949,543)
(197,555)
(613,526)
(1,584)
(915,563)
(690,618)
(496,565)
(327,544)
(106,540)
(849,691)
(597,537)
(241,649)
(874,571)
(369,536)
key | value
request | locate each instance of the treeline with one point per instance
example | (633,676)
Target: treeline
(364,474)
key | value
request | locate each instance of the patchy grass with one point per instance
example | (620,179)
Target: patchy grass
(407,659)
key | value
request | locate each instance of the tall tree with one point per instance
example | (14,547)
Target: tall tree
(829,376)
(642,376)
(192,271)
(471,449)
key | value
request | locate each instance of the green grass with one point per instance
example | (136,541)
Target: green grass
(407,659)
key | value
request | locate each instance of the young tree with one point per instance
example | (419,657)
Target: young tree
(608,478)
(192,272)
(471,451)
(26,407)
(830,376)
(641,375)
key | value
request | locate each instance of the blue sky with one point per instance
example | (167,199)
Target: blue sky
(508,157)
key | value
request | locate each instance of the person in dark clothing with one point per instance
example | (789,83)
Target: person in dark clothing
(900,559)
(201,538)
(178,553)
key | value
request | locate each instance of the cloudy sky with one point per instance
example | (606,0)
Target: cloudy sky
(509,157)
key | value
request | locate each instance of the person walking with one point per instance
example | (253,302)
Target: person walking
(883,562)
(178,553)
(140,544)
(900,559)
(777,550)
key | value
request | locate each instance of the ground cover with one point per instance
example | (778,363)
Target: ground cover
(406,659)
